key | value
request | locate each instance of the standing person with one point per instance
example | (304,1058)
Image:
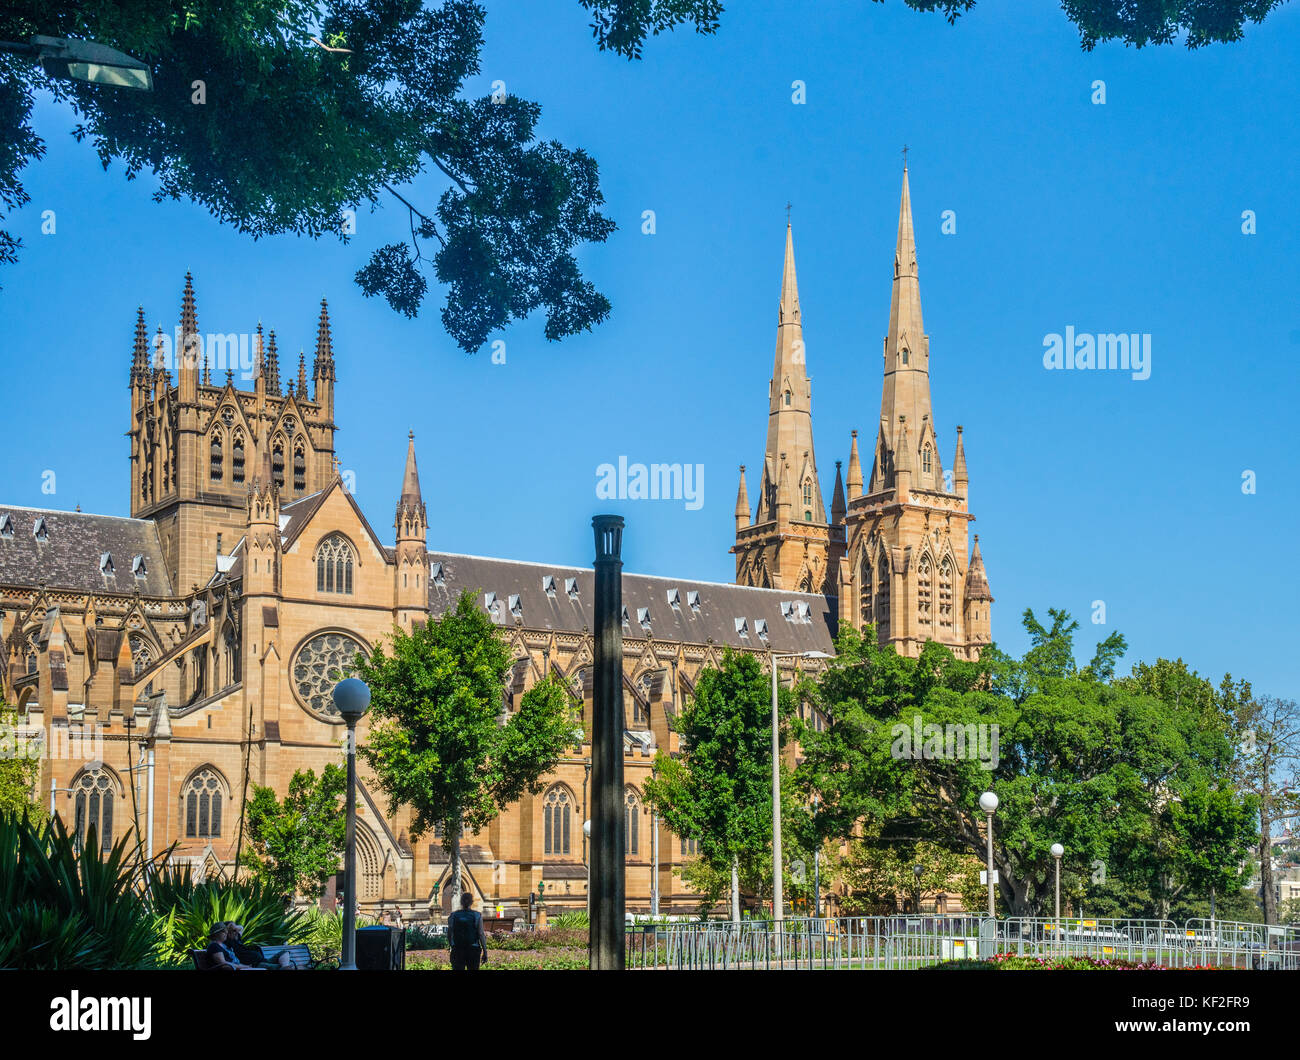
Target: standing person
(465,936)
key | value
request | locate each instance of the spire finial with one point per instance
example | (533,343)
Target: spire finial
(788,207)
(904,156)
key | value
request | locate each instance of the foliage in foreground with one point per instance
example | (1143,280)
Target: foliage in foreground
(297,844)
(1010,962)
(185,910)
(62,907)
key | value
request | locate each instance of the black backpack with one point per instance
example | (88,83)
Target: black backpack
(464,928)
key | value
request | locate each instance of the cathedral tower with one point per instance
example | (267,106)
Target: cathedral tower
(906,570)
(789,544)
(196,446)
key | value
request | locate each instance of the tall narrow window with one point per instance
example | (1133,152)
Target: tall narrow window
(299,469)
(925,460)
(865,579)
(787,397)
(237,459)
(334,559)
(945,593)
(93,793)
(631,823)
(203,796)
(882,597)
(690,846)
(277,464)
(557,813)
(923,591)
(215,459)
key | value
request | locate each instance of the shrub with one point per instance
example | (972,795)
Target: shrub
(66,907)
(185,910)
(571,921)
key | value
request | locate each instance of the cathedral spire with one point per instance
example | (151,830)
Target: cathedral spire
(837,497)
(140,354)
(789,422)
(907,350)
(742,502)
(272,367)
(323,368)
(960,478)
(411,476)
(855,470)
(977,582)
(302,375)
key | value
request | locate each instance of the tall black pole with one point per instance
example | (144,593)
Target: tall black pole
(606,887)
(348,959)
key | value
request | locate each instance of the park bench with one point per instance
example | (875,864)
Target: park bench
(299,956)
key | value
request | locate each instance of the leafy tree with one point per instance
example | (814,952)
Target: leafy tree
(280,115)
(1269,729)
(718,790)
(20,770)
(622,25)
(876,872)
(299,843)
(441,740)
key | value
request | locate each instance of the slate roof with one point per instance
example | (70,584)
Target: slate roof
(808,628)
(76,545)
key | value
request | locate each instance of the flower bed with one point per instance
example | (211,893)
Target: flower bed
(547,958)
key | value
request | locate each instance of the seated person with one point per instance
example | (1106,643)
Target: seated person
(250,953)
(219,954)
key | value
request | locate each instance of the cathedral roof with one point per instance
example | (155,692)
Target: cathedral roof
(537,596)
(86,553)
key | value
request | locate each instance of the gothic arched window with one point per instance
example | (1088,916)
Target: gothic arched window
(924,590)
(905,356)
(945,593)
(299,468)
(334,560)
(557,816)
(237,459)
(216,470)
(864,577)
(202,799)
(631,823)
(92,797)
(277,463)
(807,491)
(925,459)
(882,597)
(141,655)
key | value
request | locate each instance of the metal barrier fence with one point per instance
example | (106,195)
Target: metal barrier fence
(907,942)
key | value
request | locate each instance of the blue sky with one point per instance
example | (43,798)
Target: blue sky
(1122,217)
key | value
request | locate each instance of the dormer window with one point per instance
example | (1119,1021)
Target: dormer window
(625,619)
(139,567)
(742,628)
(675,599)
(787,610)
(489,600)
(643,618)
(6,526)
(804,611)
(106,563)
(693,600)
(516,605)
(548,584)
(760,627)
(571,588)
(39,530)
(435,572)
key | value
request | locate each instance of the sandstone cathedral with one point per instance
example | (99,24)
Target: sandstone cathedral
(195,644)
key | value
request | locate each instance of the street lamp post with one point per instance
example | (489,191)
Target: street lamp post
(84,60)
(1057,852)
(916,871)
(989,803)
(778,885)
(586,861)
(351,697)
